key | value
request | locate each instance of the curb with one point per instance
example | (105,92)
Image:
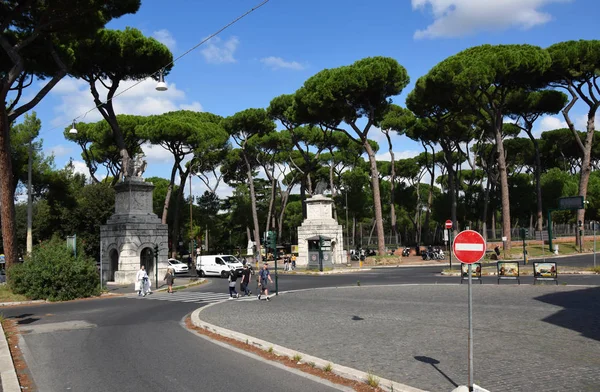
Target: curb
(37,301)
(324,272)
(8,374)
(340,370)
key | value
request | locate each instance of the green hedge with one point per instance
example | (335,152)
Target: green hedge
(53,273)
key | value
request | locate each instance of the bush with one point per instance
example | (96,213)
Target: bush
(53,273)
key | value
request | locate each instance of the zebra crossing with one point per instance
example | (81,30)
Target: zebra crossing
(191,297)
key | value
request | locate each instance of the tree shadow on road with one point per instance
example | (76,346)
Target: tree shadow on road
(433,362)
(581,311)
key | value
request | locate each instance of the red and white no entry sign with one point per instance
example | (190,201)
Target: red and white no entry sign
(469,246)
(448,224)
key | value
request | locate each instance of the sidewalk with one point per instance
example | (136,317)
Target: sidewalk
(411,261)
(417,334)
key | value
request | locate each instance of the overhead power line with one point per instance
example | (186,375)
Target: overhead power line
(158,71)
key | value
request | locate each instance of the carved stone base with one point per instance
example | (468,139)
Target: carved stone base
(129,236)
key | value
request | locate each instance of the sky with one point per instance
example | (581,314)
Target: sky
(274,49)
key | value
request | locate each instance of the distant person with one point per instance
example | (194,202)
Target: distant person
(232,279)
(245,282)
(169,278)
(140,281)
(293,262)
(264,277)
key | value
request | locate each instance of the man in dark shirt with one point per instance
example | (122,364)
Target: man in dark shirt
(245,283)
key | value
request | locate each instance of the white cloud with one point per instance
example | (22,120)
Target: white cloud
(165,37)
(59,150)
(279,63)
(398,155)
(81,167)
(157,154)
(581,122)
(217,51)
(457,18)
(76,100)
(548,123)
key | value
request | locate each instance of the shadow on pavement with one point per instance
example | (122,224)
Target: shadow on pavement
(433,362)
(25,318)
(581,311)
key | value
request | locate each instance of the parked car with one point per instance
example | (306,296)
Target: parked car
(178,266)
(219,265)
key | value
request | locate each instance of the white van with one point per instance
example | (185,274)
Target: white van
(218,265)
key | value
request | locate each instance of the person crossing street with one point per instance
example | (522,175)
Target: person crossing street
(245,282)
(264,277)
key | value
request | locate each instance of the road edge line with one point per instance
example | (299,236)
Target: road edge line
(8,373)
(340,370)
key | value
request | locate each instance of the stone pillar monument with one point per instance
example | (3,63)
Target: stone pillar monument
(130,234)
(319,222)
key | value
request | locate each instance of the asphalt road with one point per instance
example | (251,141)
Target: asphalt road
(130,344)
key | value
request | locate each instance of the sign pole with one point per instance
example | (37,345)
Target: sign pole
(469,247)
(470,271)
(450,235)
(595,225)
(100,265)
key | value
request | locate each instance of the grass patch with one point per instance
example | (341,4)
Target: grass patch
(595,269)
(312,364)
(270,350)
(6,295)
(297,357)
(372,380)
(328,367)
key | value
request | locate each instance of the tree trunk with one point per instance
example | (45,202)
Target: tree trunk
(165,213)
(284,201)
(333,193)
(486,203)
(248,234)
(376,198)
(586,167)
(392,189)
(7,200)
(538,185)
(271,204)
(451,185)
(504,191)
(303,197)
(371,233)
(176,213)
(430,195)
(253,205)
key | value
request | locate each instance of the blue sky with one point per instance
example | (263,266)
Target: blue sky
(276,48)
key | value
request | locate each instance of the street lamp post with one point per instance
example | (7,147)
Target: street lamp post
(347,229)
(191,218)
(29,201)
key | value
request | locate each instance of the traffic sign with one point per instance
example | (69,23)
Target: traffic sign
(469,246)
(448,224)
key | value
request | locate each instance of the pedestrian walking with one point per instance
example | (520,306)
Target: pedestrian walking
(245,282)
(264,277)
(169,278)
(141,281)
(232,279)
(293,262)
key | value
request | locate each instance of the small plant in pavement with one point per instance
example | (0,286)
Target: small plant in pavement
(270,350)
(358,282)
(297,357)
(312,364)
(372,380)
(328,367)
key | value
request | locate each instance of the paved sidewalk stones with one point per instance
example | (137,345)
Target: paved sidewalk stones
(526,338)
